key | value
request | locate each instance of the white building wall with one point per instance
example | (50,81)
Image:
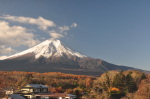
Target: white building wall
(60,97)
(26,89)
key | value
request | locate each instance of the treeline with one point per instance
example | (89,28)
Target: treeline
(110,85)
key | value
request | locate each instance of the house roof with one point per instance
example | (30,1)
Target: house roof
(55,95)
(35,86)
(71,95)
(16,96)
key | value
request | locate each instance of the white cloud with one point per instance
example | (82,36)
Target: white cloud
(42,23)
(61,31)
(15,35)
(12,36)
(56,35)
(74,25)
(4,50)
(64,28)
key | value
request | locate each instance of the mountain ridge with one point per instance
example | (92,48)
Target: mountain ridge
(53,56)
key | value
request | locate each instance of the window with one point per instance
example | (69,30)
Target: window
(36,90)
(45,90)
(31,90)
(38,97)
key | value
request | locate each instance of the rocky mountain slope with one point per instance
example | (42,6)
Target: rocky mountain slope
(53,56)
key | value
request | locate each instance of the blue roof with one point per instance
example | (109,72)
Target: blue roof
(16,96)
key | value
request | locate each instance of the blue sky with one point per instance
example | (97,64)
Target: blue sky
(116,31)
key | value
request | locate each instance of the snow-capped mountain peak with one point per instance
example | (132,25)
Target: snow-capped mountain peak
(49,48)
(57,58)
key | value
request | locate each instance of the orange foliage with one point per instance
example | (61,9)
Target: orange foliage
(114,89)
(88,82)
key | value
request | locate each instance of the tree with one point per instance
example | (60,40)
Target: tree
(119,81)
(119,84)
(143,90)
(130,85)
(88,82)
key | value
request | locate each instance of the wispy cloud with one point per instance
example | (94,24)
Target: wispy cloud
(56,35)
(6,50)
(74,25)
(63,28)
(40,21)
(61,31)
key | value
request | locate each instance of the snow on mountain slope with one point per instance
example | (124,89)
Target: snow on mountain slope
(47,49)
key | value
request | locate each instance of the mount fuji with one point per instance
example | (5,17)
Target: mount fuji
(47,49)
(53,56)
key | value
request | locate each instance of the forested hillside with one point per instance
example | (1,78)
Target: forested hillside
(109,85)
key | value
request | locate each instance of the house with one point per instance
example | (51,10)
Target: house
(35,88)
(30,90)
(39,91)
